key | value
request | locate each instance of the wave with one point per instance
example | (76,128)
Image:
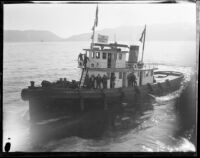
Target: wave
(184,146)
(51,120)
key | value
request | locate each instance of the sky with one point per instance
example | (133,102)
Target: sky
(70,19)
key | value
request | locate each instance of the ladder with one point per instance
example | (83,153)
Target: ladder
(82,80)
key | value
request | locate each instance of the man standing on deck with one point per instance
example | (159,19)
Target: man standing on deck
(92,81)
(87,81)
(98,79)
(113,80)
(130,83)
(104,81)
(80,59)
(134,80)
(86,59)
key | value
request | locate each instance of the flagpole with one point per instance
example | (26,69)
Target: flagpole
(93,37)
(143,45)
(95,24)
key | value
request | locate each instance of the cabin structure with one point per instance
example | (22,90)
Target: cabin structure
(110,60)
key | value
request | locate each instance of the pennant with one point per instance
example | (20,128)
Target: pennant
(96,19)
(143,33)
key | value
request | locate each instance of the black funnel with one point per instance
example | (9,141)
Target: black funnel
(133,54)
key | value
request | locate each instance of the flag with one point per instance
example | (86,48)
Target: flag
(96,19)
(95,24)
(143,33)
(102,39)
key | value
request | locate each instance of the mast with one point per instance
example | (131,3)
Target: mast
(93,33)
(142,39)
(93,28)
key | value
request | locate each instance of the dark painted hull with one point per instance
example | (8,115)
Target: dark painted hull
(87,113)
(50,103)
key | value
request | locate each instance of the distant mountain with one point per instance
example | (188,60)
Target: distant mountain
(29,36)
(155,32)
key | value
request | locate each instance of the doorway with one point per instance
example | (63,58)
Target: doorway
(124,80)
(109,60)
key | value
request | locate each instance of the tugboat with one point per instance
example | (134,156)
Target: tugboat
(107,83)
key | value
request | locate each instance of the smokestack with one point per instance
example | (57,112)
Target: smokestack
(133,54)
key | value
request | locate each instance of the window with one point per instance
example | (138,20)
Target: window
(92,65)
(151,72)
(104,55)
(120,56)
(93,53)
(120,75)
(147,73)
(97,55)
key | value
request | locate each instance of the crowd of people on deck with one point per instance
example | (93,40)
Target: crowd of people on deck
(96,82)
(93,82)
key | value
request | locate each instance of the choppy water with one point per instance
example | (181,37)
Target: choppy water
(153,129)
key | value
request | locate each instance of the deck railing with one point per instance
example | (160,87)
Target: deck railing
(150,66)
(145,66)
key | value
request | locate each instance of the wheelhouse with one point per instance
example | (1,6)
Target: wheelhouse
(110,60)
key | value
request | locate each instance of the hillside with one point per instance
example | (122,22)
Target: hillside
(29,36)
(155,32)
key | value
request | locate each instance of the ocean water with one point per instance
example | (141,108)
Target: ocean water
(154,129)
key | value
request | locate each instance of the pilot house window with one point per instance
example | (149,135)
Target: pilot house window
(97,55)
(104,55)
(151,72)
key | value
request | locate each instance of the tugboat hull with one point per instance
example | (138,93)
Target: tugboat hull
(51,103)
(57,113)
